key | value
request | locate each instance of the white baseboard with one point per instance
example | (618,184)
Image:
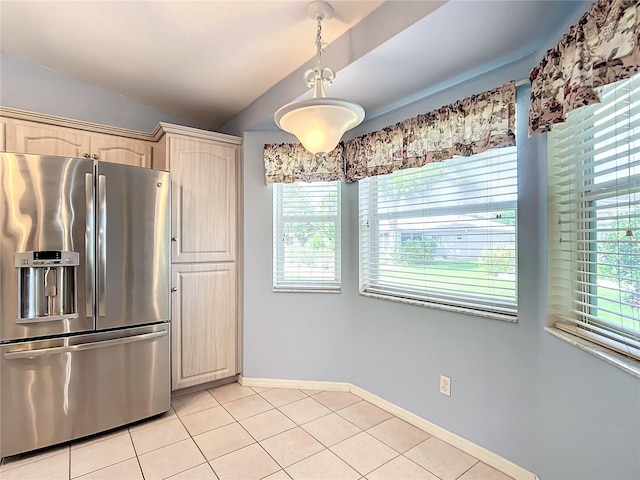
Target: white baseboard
(300,384)
(482,454)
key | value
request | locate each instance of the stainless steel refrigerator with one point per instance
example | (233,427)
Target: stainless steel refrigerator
(84,298)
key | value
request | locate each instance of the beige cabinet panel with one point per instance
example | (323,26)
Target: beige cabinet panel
(44,139)
(47,140)
(3,135)
(121,150)
(204,326)
(204,200)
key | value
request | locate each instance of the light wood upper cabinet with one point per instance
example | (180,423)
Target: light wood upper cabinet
(204,323)
(46,139)
(122,150)
(204,200)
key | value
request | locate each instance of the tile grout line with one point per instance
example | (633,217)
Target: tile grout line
(297,425)
(191,436)
(195,443)
(123,427)
(361,430)
(249,433)
(260,445)
(365,474)
(476,463)
(136,451)
(331,411)
(300,425)
(380,466)
(240,425)
(324,416)
(417,464)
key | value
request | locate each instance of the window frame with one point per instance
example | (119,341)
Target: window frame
(280,283)
(370,229)
(581,324)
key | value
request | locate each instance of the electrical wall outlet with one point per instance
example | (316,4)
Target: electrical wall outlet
(445,385)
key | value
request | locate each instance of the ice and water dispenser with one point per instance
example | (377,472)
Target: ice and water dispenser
(47,287)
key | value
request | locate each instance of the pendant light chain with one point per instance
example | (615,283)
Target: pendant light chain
(319,43)
(324,75)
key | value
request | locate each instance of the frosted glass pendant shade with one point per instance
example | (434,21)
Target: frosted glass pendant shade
(319,123)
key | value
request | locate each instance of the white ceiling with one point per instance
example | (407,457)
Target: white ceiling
(206,61)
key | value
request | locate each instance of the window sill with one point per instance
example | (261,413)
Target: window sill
(448,308)
(306,290)
(627,364)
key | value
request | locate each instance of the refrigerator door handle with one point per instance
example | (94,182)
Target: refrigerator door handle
(83,346)
(102,245)
(90,247)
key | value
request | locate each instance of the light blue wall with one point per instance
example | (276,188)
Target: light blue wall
(516,390)
(31,87)
(287,335)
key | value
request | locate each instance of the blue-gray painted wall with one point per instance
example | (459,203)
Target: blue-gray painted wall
(516,390)
(32,87)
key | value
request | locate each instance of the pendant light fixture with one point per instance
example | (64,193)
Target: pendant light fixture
(319,123)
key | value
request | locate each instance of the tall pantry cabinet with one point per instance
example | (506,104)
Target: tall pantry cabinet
(205,198)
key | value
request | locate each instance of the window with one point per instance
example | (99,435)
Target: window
(443,235)
(306,236)
(594,220)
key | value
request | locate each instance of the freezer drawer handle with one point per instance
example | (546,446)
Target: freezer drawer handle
(85,346)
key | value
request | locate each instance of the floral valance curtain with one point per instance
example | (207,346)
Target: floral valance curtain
(291,162)
(602,48)
(477,123)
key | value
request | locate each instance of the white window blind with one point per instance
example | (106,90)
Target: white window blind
(444,234)
(306,236)
(594,220)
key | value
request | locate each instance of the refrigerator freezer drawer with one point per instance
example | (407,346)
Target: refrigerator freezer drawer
(53,391)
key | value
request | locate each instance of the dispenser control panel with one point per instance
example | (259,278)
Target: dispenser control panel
(47,258)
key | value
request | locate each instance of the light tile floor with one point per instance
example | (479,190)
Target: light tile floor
(235,432)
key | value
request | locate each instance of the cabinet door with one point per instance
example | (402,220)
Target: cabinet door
(204,323)
(48,140)
(203,201)
(121,150)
